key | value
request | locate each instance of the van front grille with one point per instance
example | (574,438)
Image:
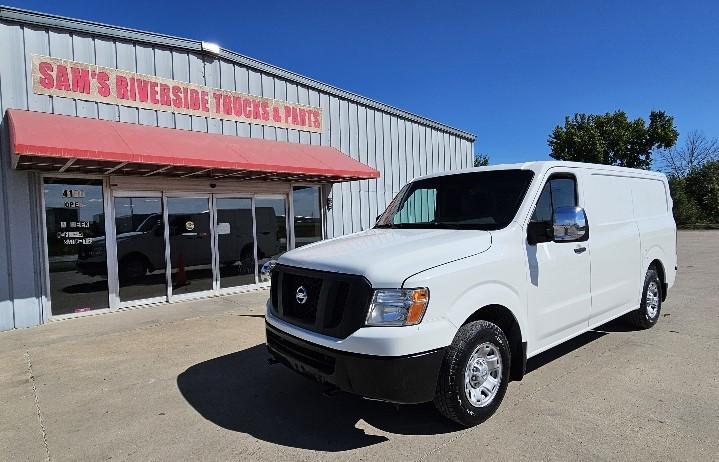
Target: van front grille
(303,308)
(333,304)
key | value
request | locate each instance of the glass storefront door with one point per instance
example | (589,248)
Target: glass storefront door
(191,250)
(140,243)
(75,230)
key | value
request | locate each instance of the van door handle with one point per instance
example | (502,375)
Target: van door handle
(579,249)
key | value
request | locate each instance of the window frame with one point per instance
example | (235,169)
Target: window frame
(555,176)
(516,216)
(558,176)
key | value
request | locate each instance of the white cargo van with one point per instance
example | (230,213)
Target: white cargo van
(466,275)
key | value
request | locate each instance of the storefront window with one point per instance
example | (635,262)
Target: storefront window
(140,242)
(308,218)
(235,241)
(271,223)
(75,220)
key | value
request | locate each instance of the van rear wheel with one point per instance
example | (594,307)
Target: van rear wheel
(474,374)
(651,304)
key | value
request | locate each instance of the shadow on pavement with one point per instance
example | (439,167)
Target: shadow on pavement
(241,392)
(616,325)
(560,350)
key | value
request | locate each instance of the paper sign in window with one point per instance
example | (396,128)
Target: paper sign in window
(223,228)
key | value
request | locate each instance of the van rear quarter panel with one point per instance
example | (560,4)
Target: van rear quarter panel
(652,206)
(631,224)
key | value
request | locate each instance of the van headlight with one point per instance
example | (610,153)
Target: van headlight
(397,307)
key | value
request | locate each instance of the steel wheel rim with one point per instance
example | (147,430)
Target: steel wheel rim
(483,375)
(652,299)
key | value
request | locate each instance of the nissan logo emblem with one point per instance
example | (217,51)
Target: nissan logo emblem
(301,295)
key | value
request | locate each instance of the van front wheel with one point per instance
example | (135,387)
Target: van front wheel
(651,304)
(474,374)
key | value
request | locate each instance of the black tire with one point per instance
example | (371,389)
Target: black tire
(451,399)
(643,317)
(133,267)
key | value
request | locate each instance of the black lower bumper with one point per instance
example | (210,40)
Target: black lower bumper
(399,379)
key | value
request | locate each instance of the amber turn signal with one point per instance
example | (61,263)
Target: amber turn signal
(415,313)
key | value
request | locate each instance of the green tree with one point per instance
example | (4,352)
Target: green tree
(481,160)
(612,138)
(702,185)
(696,151)
(686,211)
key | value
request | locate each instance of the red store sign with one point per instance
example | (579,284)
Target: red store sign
(60,77)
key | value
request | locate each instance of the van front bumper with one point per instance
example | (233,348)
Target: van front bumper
(406,379)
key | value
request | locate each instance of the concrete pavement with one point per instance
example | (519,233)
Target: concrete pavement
(190,381)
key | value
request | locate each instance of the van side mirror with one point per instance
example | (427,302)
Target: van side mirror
(569,224)
(538,232)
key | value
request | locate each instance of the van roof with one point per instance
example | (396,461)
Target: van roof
(539,167)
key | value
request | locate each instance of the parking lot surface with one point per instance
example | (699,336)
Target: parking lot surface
(190,381)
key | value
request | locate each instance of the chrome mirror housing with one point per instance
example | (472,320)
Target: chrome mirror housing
(569,224)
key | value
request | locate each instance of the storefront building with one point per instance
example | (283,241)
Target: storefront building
(138,168)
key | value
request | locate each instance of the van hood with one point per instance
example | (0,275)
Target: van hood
(385,256)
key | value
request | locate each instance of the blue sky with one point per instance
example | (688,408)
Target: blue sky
(505,71)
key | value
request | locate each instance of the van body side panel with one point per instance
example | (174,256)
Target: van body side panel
(615,246)
(653,214)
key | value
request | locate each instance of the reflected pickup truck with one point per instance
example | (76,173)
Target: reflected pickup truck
(468,274)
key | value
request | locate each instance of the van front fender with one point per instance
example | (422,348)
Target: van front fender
(485,294)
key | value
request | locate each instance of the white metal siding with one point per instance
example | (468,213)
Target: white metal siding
(400,148)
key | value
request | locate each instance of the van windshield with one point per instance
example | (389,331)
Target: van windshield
(479,200)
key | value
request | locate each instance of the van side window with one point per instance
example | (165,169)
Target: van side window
(558,192)
(543,210)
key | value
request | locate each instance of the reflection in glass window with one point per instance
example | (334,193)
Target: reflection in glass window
(140,247)
(476,200)
(420,206)
(543,211)
(563,192)
(235,242)
(75,228)
(271,223)
(188,221)
(557,192)
(308,218)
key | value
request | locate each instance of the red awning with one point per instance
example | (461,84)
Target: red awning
(58,143)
